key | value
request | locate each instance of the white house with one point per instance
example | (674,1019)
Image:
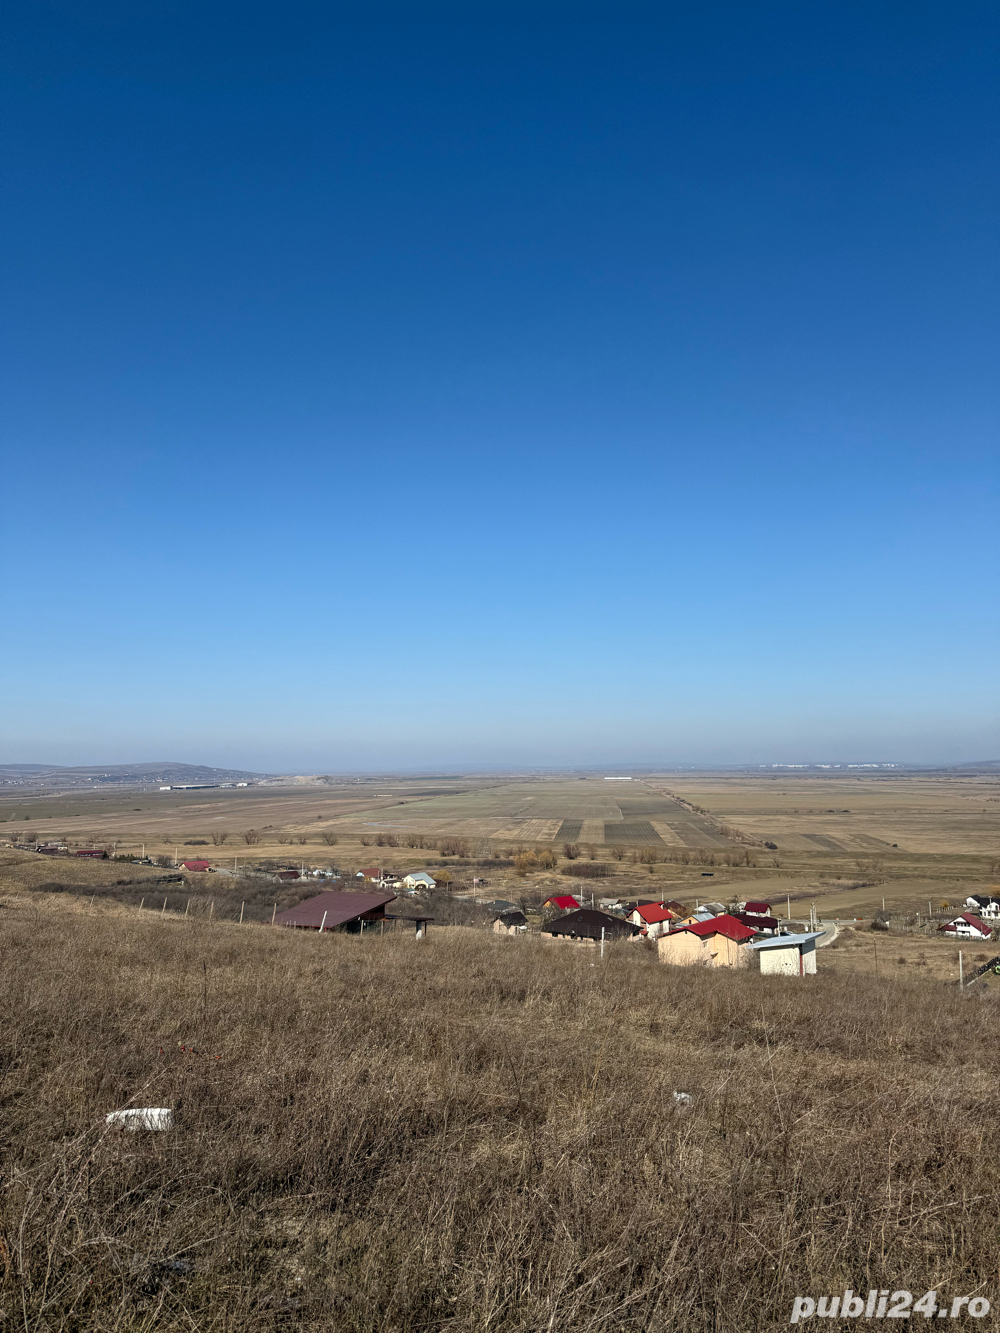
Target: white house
(967,927)
(986,907)
(786,955)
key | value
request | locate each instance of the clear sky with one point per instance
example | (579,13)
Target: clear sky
(500,384)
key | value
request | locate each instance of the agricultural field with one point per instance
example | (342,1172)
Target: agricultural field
(929,815)
(847,844)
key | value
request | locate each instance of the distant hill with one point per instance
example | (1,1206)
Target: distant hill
(98,775)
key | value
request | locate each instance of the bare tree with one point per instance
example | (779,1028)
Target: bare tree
(301,840)
(329,838)
(251,837)
(366,840)
(219,838)
(571,851)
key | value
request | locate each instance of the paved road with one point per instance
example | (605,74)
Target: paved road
(830,930)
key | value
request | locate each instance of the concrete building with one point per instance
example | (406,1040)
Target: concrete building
(785,955)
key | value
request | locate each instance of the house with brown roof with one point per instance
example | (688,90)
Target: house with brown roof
(588,926)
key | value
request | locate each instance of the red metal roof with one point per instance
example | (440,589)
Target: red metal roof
(338,907)
(722,925)
(757,922)
(372,872)
(563,901)
(194,865)
(651,912)
(971,920)
(758,909)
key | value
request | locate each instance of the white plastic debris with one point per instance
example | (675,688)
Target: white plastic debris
(142,1117)
(682,1100)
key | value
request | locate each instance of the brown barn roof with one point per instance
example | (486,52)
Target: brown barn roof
(339,908)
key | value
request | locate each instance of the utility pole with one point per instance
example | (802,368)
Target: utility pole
(322,923)
(274,913)
(961,975)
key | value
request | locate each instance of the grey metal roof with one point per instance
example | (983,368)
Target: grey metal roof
(783,941)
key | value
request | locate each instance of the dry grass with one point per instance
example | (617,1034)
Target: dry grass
(472,1133)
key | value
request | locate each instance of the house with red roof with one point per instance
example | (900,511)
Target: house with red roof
(767,924)
(653,919)
(718,942)
(563,902)
(968,926)
(757,909)
(195,866)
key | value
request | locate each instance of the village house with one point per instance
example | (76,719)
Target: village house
(696,918)
(967,927)
(984,906)
(418,879)
(511,923)
(767,924)
(563,902)
(652,919)
(718,942)
(588,926)
(196,867)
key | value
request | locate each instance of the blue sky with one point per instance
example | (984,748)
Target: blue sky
(398,386)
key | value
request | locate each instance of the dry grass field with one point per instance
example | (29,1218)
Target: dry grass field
(472,1133)
(859,815)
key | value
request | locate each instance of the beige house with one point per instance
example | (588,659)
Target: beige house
(720,942)
(511,923)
